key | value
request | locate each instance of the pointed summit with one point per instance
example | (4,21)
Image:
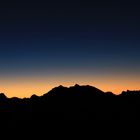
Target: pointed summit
(2,96)
(76,85)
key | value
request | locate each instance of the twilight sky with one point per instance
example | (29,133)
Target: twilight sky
(45,44)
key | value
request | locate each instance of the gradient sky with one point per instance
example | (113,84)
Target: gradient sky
(46,44)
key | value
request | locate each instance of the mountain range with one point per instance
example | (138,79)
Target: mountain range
(73,103)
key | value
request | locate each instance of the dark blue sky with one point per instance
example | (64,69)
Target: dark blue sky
(63,37)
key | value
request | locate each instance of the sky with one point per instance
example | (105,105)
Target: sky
(44,44)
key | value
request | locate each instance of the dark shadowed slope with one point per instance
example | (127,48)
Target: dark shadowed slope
(73,103)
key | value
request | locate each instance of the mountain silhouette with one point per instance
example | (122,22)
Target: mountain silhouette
(73,103)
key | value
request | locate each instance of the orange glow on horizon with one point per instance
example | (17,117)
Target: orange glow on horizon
(27,86)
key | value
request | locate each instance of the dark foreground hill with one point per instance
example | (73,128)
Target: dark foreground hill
(74,103)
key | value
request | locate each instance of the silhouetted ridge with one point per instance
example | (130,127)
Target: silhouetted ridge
(71,103)
(2,96)
(74,90)
(57,91)
(131,93)
(34,97)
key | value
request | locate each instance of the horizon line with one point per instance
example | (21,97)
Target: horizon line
(67,87)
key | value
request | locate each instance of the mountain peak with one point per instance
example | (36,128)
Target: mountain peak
(2,96)
(76,85)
